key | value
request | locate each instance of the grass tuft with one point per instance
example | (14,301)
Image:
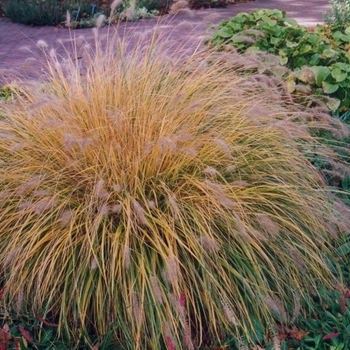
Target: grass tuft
(154,199)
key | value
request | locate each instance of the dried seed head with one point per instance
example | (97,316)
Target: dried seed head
(93,264)
(100,190)
(210,171)
(100,21)
(173,270)
(270,227)
(228,312)
(136,309)
(66,217)
(177,306)
(127,257)
(156,289)
(224,147)
(174,206)
(68,19)
(139,213)
(208,244)
(116,208)
(42,44)
(10,258)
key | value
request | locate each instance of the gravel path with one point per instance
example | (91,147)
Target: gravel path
(17,40)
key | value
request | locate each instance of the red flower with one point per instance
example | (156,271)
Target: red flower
(343,304)
(170,343)
(183,298)
(331,335)
(25,334)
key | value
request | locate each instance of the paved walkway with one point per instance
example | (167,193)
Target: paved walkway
(16,40)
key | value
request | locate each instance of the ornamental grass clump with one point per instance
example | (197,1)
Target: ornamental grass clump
(159,199)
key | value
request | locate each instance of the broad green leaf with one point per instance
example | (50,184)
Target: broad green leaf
(315,59)
(290,85)
(305,48)
(341,65)
(225,32)
(329,88)
(329,53)
(321,73)
(339,75)
(347,31)
(333,104)
(291,22)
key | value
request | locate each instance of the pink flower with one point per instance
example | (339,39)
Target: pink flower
(331,335)
(170,343)
(343,304)
(182,298)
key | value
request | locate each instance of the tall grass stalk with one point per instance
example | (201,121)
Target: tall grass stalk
(160,198)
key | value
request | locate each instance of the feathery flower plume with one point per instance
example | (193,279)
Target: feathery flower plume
(117,187)
(156,289)
(177,6)
(225,201)
(271,228)
(277,307)
(177,306)
(115,4)
(297,307)
(139,213)
(215,187)
(224,147)
(18,146)
(209,170)
(297,258)
(228,312)
(137,312)
(19,299)
(66,217)
(165,276)
(127,258)
(68,19)
(116,208)
(42,193)
(10,257)
(100,190)
(100,20)
(152,204)
(276,343)
(173,270)
(93,264)
(25,205)
(44,204)
(187,337)
(2,292)
(42,44)
(208,244)
(173,204)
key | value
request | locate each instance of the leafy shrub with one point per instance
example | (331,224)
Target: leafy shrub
(35,12)
(340,13)
(157,199)
(198,4)
(319,58)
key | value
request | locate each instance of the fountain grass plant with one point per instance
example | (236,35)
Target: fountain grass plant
(160,199)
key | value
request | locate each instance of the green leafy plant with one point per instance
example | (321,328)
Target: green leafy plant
(156,197)
(340,13)
(319,58)
(35,12)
